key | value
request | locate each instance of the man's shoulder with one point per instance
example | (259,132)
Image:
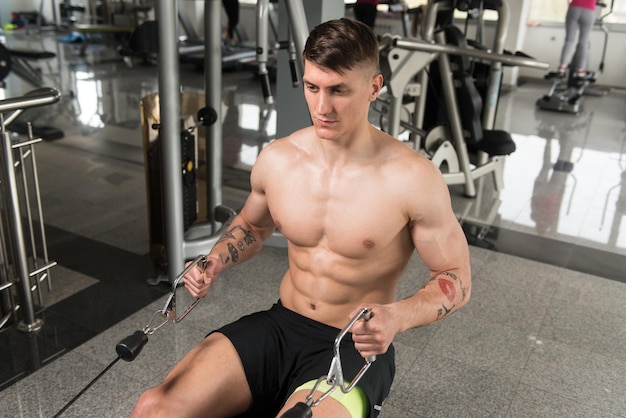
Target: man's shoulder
(407,158)
(290,142)
(409,168)
(284,149)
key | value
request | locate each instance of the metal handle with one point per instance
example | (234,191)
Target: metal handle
(170,304)
(334,378)
(512,60)
(335,372)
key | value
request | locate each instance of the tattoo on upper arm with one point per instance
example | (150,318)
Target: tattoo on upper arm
(239,245)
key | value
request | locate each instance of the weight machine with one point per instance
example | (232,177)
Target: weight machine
(297,34)
(468,153)
(186,244)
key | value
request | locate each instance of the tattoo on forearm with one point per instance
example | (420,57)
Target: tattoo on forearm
(444,311)
(449,289)
(234,254)
(239,246)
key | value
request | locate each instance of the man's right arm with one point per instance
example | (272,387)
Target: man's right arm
(248,231)
(243,238)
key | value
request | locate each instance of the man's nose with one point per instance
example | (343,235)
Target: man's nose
(323,104)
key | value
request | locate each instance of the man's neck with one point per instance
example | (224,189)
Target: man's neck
(357,147)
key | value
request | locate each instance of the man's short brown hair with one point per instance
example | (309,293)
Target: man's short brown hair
(341,45)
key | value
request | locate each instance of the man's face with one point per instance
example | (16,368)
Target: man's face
(338,103)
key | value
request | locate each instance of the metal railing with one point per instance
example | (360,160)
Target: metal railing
(24,262)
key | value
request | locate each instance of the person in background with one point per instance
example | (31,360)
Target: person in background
(366,11)
(232,11)
(581,15)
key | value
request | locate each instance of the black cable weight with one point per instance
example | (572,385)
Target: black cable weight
(130,347)
(300,410)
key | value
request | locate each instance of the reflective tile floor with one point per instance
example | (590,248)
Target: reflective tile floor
(543,336)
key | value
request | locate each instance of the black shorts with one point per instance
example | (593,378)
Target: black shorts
(281,350)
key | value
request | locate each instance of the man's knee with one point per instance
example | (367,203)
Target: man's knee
(149,404)
(204,380)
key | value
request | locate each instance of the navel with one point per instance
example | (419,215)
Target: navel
(368,243)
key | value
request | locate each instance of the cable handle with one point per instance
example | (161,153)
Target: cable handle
(335,373)
(334,378)
(170,303)
(168,312)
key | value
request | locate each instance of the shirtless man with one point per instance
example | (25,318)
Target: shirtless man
(354,204)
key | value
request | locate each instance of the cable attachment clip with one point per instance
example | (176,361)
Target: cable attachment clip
(130,347)
(335,378)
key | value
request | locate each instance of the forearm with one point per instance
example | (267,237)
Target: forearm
(443,294)
(239,243)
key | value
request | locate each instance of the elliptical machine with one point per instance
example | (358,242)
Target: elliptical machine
(566,92)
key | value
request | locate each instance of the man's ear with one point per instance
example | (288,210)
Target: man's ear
(377,85)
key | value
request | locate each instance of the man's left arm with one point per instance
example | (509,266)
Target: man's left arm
(442,246)
(449,287)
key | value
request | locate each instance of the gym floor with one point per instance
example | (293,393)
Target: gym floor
(543,335)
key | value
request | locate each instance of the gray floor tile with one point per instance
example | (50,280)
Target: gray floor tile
(391,411)
(587,328)
(47,392)
(532,403)
(511,291)
(437,386)
(482,344)
(591,291)
(578,374)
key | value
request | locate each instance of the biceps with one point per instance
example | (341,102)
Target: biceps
(443,248)
(256,213)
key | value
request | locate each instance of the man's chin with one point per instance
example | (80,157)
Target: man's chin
(325,133)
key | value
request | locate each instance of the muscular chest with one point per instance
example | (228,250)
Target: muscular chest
(351,214)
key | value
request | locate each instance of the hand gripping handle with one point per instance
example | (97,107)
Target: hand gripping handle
(335,374)
(334,378)
(170,304)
